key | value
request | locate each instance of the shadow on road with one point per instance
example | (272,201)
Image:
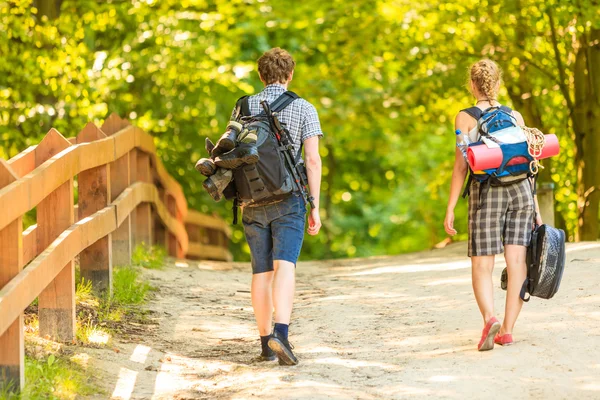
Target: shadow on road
(378,328)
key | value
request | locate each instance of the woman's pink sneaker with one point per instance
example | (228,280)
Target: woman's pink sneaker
(487,336)
(504,340)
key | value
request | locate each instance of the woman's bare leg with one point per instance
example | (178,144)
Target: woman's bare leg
(483,287)
(515,256)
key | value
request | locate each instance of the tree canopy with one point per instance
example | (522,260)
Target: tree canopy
(387,78)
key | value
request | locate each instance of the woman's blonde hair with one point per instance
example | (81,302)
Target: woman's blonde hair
(486,75)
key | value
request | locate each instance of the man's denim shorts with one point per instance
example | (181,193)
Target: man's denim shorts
(275,232)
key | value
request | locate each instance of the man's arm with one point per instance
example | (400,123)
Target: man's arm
(311,133)
(313,168)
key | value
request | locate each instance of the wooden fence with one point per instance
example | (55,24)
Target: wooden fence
(125,198)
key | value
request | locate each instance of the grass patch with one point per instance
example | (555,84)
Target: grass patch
(88,330)
(129,291)
(151,257)
(84,292)
(98,318)
(129,288)
(52,378)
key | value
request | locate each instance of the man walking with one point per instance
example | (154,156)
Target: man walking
(275,229)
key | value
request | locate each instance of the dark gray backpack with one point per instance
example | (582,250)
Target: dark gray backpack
(268,180)
(545,263)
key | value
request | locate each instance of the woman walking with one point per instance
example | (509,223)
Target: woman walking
(500,219)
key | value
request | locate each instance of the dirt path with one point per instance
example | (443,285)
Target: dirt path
(380,328)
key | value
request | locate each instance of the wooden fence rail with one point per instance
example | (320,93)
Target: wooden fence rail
(125,198)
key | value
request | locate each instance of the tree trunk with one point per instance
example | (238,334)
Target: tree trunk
(326,196)
(49,8)
(521,91)
(586,123)
(521,94)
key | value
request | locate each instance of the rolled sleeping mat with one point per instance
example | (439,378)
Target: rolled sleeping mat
(482,157)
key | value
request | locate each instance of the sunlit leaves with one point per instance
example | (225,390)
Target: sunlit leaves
(387,76)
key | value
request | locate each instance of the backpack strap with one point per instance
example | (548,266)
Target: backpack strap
(242,108)
(467,191)
(477,112)
(283,101)
(474,112)
(525,289)
(234,210)
(279,104)
(246,106)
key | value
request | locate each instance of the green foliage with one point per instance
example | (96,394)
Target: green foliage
(95,314)
(151,257)
(128,287)
(88,331)
(52,377)
(55,378)
(386,76)
(29,218)
(58,378)
(7,390)
(83,291)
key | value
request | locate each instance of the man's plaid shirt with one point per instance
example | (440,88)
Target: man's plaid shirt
(299,117)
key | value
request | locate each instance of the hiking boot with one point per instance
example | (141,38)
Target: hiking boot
(227,141)
(206,167)
(248,136)
(243,154)
(215,184)
(283,350)
(209,146)
(267,355)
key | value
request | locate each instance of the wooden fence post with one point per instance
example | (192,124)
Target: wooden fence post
(222,239)
(132,179)
(180,253)
(95,262)
(172,245)
(545,194)
(54,215)
(12,367)
(119,181)
(142,216)
(160,232)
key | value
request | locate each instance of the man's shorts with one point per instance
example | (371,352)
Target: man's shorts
(505,217)
(275,232)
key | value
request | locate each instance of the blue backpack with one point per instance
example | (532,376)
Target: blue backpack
(491,123)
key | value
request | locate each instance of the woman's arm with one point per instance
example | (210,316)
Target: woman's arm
(459,174)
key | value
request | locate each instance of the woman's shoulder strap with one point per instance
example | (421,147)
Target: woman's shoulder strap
(477,112)
(474,112)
